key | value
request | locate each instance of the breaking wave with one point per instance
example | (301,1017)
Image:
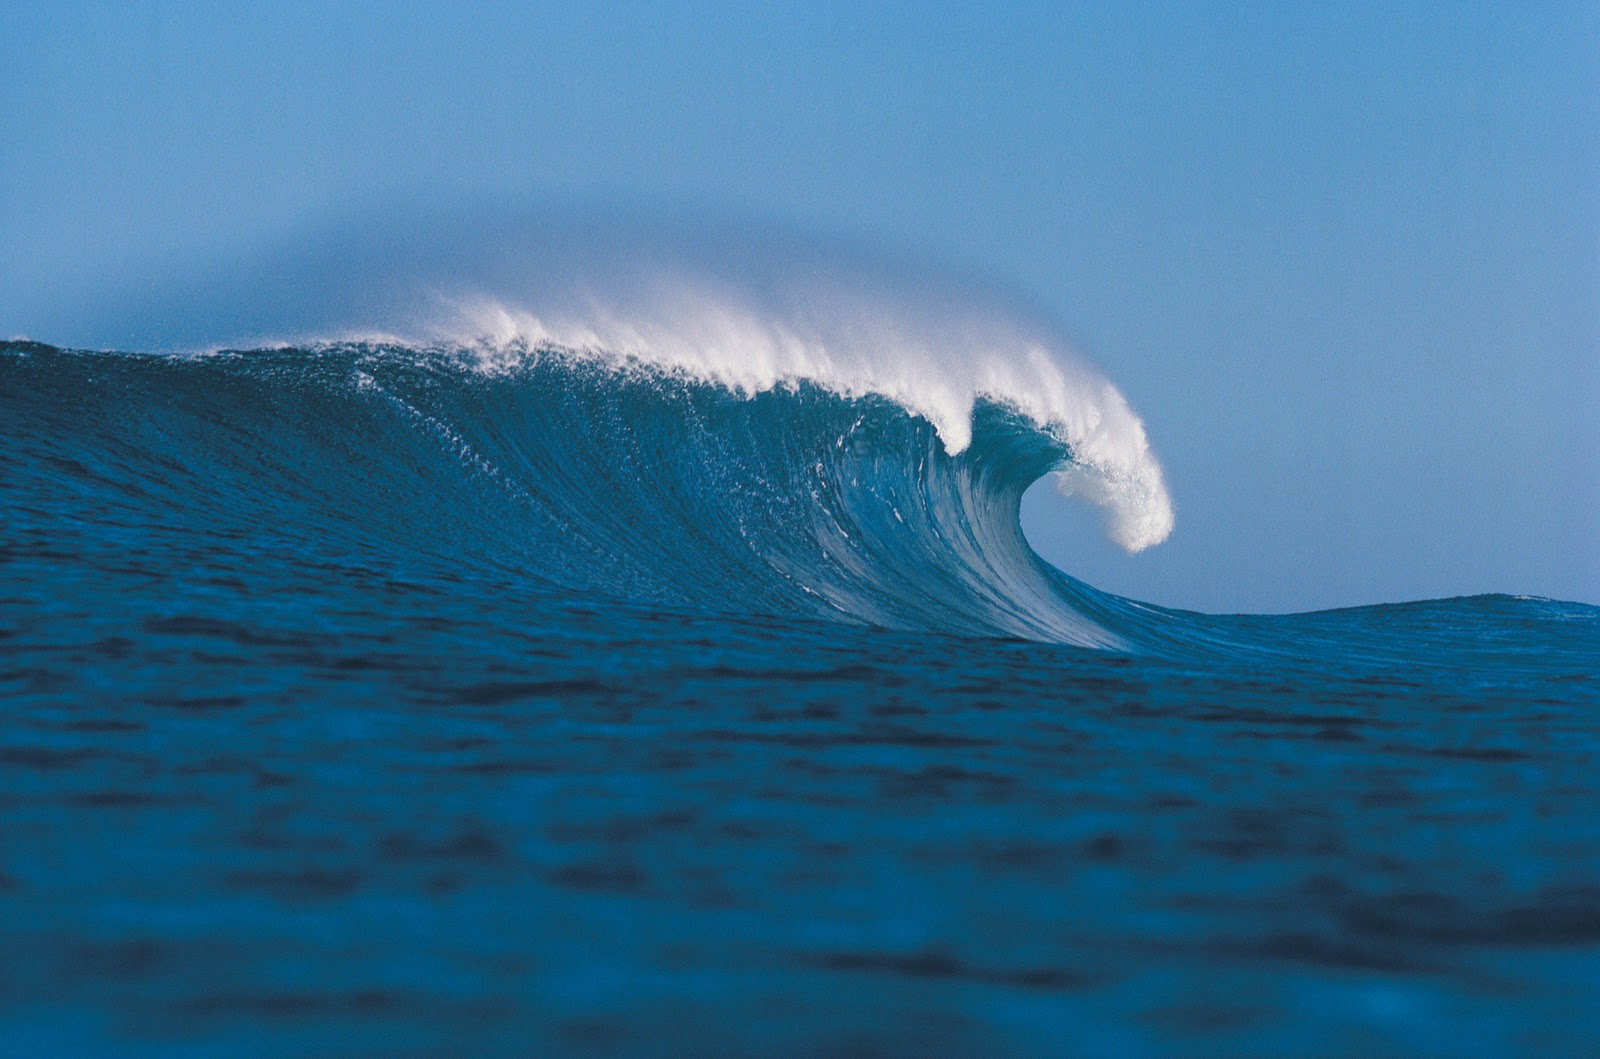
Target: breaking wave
(635,479)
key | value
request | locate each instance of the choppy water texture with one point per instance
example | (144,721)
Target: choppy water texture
(362,699)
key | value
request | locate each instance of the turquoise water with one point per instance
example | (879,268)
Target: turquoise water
(356,700)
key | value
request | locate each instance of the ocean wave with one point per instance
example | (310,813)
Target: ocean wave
(636,480)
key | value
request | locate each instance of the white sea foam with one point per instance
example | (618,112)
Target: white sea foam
(935,357)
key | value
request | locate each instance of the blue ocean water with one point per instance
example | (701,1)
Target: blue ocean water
(361,699)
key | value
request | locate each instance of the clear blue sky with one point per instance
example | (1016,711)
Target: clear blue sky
(1345,259)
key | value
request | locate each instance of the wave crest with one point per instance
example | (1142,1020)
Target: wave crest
(938,363)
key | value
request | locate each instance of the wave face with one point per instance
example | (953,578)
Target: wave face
(630,480)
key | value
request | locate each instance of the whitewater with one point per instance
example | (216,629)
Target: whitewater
(523,647)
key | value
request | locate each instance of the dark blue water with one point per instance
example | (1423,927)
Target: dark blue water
(355,701)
